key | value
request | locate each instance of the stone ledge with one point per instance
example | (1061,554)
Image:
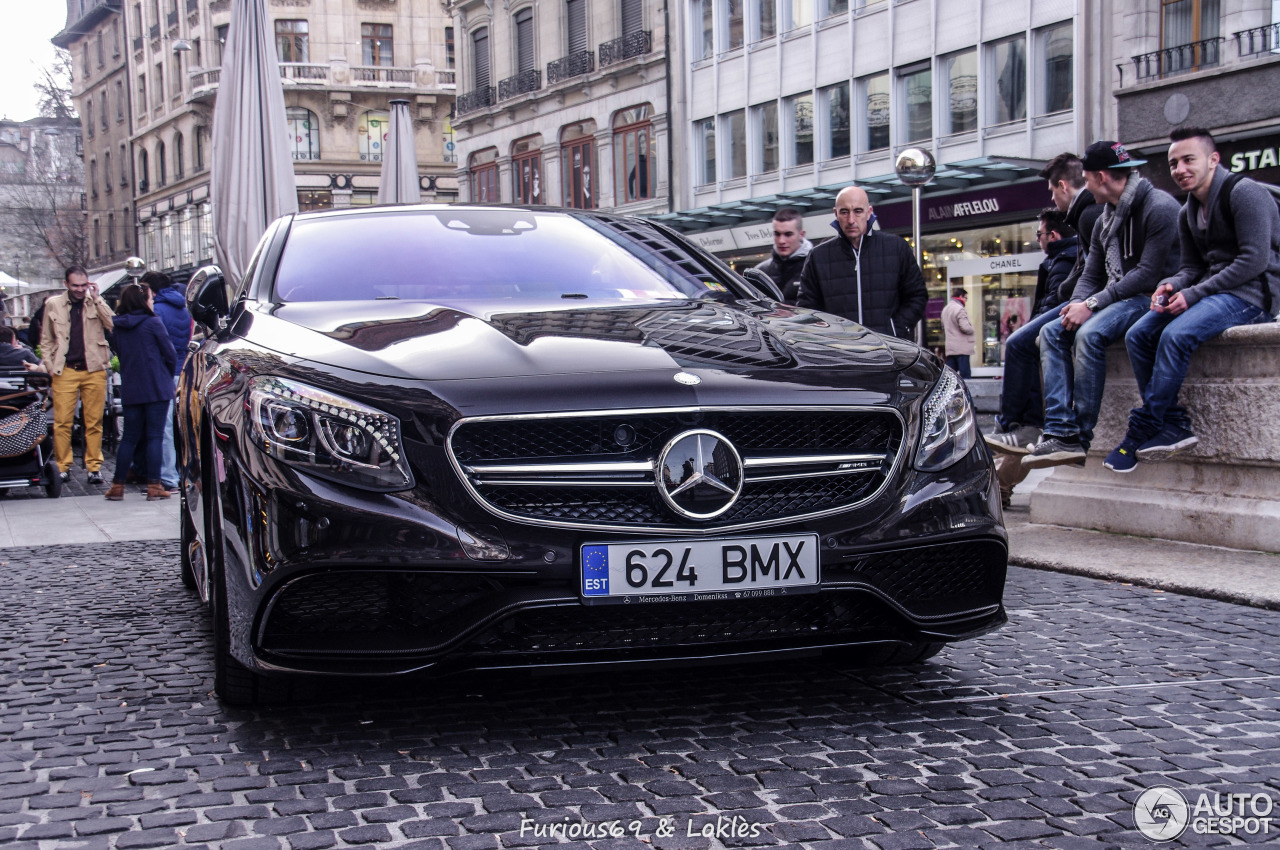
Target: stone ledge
(1225,491)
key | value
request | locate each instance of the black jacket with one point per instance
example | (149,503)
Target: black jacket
(880,287)
(1082,215)
(1055,270)
(785,271)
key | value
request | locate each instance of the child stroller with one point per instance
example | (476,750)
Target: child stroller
(26,434)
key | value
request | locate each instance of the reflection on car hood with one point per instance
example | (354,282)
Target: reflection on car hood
(436,342)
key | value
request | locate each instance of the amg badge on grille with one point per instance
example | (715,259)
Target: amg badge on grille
(699,474)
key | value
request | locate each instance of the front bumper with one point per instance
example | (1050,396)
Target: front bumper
(325,580)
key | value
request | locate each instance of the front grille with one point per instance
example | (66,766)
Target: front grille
(790,438)
(814,619)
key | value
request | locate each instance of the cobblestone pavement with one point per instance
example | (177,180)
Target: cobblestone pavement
(1040,735)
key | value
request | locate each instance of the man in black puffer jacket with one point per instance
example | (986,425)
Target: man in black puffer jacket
(867,276)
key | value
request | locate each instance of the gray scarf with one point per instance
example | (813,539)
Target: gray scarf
(1113,219)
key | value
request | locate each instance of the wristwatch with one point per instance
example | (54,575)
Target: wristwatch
(1092,303)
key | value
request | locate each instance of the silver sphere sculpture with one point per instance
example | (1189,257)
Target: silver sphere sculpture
(915,166)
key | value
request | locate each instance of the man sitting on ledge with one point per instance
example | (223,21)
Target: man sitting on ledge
(1230,235)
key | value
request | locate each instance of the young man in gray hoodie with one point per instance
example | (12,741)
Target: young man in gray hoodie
(1133,248)
(1230,236)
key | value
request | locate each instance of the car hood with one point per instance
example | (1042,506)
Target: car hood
(412,340)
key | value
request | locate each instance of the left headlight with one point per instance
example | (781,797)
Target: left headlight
(948,430)
(327,435)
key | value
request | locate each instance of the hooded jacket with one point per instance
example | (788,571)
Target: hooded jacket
(1148,249)
(147,359)
(785,271)
(170,306)
(879,286)
(1240,260)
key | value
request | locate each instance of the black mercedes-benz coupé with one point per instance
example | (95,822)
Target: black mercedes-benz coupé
(443,438)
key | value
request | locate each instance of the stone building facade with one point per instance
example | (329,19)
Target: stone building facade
(95,37)
(341,63)
(564,103)
(1207,63)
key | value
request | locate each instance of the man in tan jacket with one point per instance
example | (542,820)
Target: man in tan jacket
(958,332)
(73,345)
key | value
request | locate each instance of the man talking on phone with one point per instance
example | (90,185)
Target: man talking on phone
(73,343)
(864,275)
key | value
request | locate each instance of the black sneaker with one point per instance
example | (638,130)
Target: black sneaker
(95,477)
(1055,451)
(1166,444)
(1015,442)
(65,476)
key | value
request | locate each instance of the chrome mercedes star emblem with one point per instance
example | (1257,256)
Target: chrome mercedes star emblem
(699,474)
(687,379)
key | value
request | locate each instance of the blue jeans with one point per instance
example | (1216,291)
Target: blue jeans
(1075,366)
(143,425)
(960,362)
(169,455)
(1160,347)
(1021,402)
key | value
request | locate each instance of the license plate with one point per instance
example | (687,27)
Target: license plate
(737,568)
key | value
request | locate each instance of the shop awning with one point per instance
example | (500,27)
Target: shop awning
(950,177)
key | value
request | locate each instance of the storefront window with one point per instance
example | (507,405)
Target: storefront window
(998,304)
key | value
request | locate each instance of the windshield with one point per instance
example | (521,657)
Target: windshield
(484,254)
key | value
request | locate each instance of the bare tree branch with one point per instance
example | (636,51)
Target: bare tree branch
(54,88)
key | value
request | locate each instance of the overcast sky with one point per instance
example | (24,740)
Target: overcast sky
(25,29)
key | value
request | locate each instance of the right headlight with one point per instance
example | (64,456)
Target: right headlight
(327,435)
(948,430)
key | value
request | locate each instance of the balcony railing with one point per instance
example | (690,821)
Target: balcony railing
(522,83)
(573,65)
(1206,53)
(304,72)
(627,47)
(1258,40)
(446,78)
(204,83)
(383,74)
(478,99)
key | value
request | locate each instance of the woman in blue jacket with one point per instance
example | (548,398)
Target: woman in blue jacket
(147,361)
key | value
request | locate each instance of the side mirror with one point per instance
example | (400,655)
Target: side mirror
(761,281)
(209,298)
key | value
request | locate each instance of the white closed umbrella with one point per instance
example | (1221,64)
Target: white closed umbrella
(252,181)
(399,183)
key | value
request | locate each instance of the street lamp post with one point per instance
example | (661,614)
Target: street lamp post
(916,167)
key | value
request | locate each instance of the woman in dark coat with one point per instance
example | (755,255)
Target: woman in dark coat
(147,361)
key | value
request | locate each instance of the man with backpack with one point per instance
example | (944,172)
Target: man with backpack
(1230,237)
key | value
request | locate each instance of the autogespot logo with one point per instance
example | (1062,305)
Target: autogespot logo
(1161,813)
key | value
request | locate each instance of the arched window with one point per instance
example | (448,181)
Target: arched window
(526,170)
(179,158)
(484,177)
(304,133)
(578,164)
(162,176)
(144,174)
(372,133)
(634,154)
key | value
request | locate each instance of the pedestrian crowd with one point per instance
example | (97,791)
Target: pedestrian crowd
(78,333)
